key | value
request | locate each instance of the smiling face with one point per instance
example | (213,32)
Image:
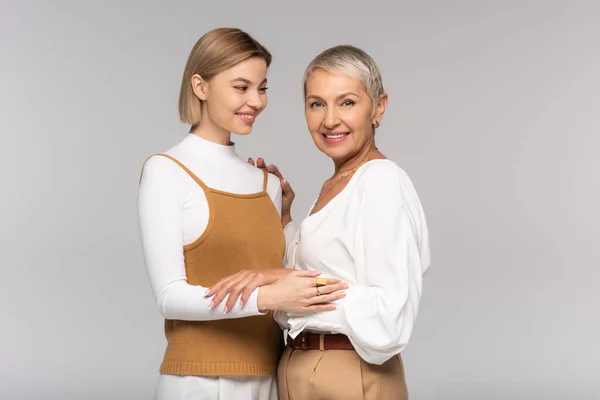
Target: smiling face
(233,99)
(340,114)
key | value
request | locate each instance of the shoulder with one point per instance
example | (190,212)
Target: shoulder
(158,165)
(386,180)
(380,173)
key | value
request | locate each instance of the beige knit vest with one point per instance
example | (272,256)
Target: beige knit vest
(243,232)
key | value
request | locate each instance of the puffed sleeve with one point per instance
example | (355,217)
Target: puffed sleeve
(390,249)
(391,254)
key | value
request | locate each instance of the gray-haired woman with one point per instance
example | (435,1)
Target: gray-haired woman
(367,228)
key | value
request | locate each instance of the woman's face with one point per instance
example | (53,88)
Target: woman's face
(339,114)
(235,97)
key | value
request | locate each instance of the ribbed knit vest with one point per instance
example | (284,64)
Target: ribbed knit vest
(243,233)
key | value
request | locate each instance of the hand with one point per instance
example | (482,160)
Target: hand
(297,293)
(244,282)
(288,194)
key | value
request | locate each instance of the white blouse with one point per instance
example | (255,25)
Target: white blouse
(372,235)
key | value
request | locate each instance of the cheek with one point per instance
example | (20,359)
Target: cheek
(313,120)
(360,122)
(264,100)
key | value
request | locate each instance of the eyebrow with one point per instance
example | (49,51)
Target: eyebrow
(337,98)
(246,81)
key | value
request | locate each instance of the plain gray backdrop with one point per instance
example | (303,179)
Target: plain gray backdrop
(494,113)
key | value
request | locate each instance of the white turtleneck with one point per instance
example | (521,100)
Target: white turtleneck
(173,211)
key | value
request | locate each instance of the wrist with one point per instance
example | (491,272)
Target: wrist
(263,299)
(286,218)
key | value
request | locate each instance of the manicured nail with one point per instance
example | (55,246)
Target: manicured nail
(211,305)
(226,310)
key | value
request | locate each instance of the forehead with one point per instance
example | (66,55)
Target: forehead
(253,69)
(323,83)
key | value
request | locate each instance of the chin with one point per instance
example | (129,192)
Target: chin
(241,130)
(334,153)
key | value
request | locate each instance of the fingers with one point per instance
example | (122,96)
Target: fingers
(307,274)
(257,281)
(260,163)
(311,283)
(272,168)
(286,187)
(320,307)
(327,289)
(250,287)
(326,298)
(238,288)
(214,288)
(227,287)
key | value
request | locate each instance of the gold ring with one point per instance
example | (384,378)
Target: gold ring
(320,282)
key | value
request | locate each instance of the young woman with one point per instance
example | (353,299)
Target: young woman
(200,208)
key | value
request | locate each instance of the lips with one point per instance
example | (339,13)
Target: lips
(247,117)
(335,137)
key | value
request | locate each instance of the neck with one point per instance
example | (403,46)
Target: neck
(351,161)
(208,130)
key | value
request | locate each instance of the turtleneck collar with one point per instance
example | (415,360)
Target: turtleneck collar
(207,148)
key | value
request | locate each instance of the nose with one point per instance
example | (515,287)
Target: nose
(255,100)
(330,119)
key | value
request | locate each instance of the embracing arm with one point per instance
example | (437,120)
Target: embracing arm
(278,288)
(162,192)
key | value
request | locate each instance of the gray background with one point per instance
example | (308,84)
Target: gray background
(493,113)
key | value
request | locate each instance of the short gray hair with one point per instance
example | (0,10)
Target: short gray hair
(350,61)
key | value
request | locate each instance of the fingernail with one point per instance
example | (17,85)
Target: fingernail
(207,293)
(284,181)
(241,303)
(226,310)
(211,305)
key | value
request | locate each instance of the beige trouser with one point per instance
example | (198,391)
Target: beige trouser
(338,375)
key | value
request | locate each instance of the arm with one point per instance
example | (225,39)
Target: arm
(244,283)
(162,192)
(391,253)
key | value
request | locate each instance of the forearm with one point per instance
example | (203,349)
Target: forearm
(186,302)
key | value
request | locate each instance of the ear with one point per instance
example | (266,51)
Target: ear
(199,86)
(380,107)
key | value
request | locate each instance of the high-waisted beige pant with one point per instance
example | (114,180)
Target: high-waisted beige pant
(338,375)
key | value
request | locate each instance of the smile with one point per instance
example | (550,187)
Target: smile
(247,117)
(335,137)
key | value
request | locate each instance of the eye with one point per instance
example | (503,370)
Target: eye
(348,103)
(241,88)
(263,89)
(316,104)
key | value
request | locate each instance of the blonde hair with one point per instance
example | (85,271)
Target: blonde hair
(351,61)
(214,52)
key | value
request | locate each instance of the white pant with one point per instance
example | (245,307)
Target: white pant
(188,387)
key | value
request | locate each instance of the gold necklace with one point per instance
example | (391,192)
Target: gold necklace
(343,175)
